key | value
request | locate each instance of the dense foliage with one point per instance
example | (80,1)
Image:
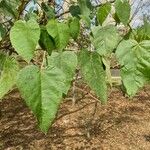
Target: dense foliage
(41,51)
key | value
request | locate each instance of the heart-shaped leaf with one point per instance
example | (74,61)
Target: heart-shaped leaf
(103,12)
(134,58)
(93,73)
(67,62)
(123,9)
(74,26)
(85,8)
(8,73)
(46,41)
(24,37)
(59,32)
(105,39)
(42,91)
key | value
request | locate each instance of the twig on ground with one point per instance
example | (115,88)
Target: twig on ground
(71,112)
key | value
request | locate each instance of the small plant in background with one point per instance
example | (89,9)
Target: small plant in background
(83,39)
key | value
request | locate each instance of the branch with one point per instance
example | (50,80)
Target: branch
(64,13)
(22,7)
(71,112)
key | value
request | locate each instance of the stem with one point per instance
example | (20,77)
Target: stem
(74,88)
(106,61)
(131,30)
(43,60)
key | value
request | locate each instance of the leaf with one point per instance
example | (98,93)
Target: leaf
(49,11)
(8,73)
(143,32)
(140,33)
(8,8)
(42,91)
(46,41)
(74,26)
(59,32)
(2,60)
(75,10)
(146,27)
(85,10)
(31,14)
(93,73)
(2,32)
(89,4)
(123,10)
(105,39)
(24,37)
(67,62)
(103,12)
(134,59)
(117,20)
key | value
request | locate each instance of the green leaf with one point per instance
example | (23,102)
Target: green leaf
(123,9)
(8,7)
(85,7)
(93,73)
(46,41)
(24,37)
(8,73)
(74,26)
(85,10)
(142,33)
(67,62)
(2,60)
(31,14)
(42,91)
(59,32)
(146,27)
(35,1)
(117,20)
(134,59)
(105,39)
(2,32)
(103,12)
(75,11)
(49,11)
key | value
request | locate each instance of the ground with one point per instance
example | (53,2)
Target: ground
(122,124)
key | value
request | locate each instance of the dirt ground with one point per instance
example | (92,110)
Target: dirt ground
(122,124)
